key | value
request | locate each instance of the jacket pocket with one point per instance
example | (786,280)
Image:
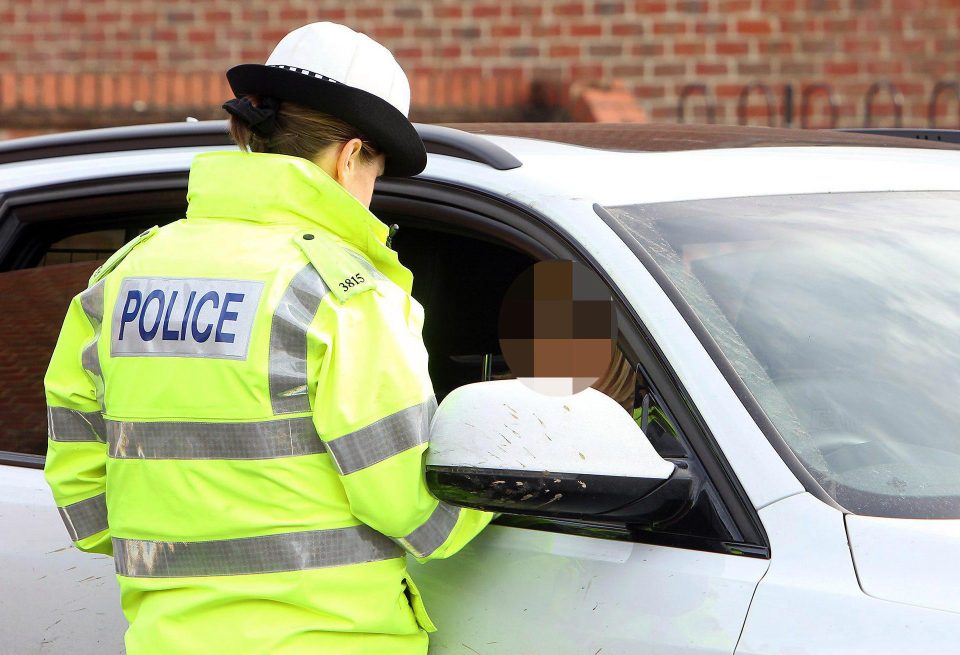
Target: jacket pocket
(416,604)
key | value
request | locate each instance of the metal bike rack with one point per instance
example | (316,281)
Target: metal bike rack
(693,89)
(744,97)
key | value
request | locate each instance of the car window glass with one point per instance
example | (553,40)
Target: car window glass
(838,312)
(35,301)
(89,246)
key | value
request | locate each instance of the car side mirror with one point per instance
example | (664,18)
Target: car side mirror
(500,446)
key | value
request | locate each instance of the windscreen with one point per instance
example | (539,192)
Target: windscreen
(840,313)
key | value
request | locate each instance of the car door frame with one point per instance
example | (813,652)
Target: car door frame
(521,226)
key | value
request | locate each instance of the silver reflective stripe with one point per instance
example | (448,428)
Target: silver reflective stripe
(86,518)
(381,440)
(288,341)
(71,425)
(290,551)
(193,440)
(91,301)
(431,535)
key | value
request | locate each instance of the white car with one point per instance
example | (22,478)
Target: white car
(786,478)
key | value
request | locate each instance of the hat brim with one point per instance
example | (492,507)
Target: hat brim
(379,121)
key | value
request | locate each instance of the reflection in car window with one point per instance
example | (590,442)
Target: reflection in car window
(34,302)
(841,314)
(90,246)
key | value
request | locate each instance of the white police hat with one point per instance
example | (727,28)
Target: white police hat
(338,71)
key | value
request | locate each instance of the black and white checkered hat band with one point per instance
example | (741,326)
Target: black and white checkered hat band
(304,71)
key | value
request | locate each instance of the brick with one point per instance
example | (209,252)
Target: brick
(610,8)
(408,11)
(472,32)
(692,6)
(605,50)
(201,36)
(841,68)
(293,14)
(669,69)
(427,32)
(335,14)
(564,50)
(731,48)
(650,6)
(545,29)
(648,50)
(669,27)
(588,29)
(528,50)
(408,52)
(487,11)
(368,12)
(627,29)
(586,71)
(754,27)
(570,9)
(710,27)
(523,10)
(505,30)
(753,68)
(217,16)
(704,68)
(73,17)
(690,48)
(383,32)
(628,70)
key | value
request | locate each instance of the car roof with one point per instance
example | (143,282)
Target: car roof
(628,163)
(660,137)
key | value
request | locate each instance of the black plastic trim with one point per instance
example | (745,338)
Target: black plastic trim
(921,134)
(438,140)
(116,139)
(563,495)
(663,377)
(619,532)
(730,375)
(21,459)
(464,145)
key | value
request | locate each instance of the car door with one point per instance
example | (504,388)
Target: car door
(56,599)
(533,584)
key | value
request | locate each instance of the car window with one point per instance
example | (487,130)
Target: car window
(88,246)
(35,302)
(839,314)
(461,282)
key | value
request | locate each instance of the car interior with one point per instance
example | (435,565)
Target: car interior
(458,278)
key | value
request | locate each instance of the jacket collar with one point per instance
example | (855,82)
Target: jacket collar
(283,190)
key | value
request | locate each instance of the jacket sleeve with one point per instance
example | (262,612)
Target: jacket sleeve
(373,409)
(75,466)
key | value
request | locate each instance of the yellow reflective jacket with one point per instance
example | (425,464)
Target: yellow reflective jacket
(239,406)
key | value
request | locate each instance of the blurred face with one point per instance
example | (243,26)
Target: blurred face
(355,173)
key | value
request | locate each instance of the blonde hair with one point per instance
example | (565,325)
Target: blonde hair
(300,132)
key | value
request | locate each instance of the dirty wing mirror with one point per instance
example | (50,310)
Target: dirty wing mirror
(500,446)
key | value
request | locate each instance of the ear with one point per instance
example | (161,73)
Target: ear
(348,159)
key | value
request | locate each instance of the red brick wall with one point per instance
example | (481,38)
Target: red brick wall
(481,58)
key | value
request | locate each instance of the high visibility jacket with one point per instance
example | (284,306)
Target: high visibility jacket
(239,407)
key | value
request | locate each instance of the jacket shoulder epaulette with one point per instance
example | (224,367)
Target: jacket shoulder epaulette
(118,256)
(345,272)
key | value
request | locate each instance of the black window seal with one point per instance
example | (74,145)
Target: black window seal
(436,139)
(13,203)
(755,542)
(23,460)
(750,403)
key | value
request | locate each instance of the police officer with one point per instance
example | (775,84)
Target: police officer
(239,403)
